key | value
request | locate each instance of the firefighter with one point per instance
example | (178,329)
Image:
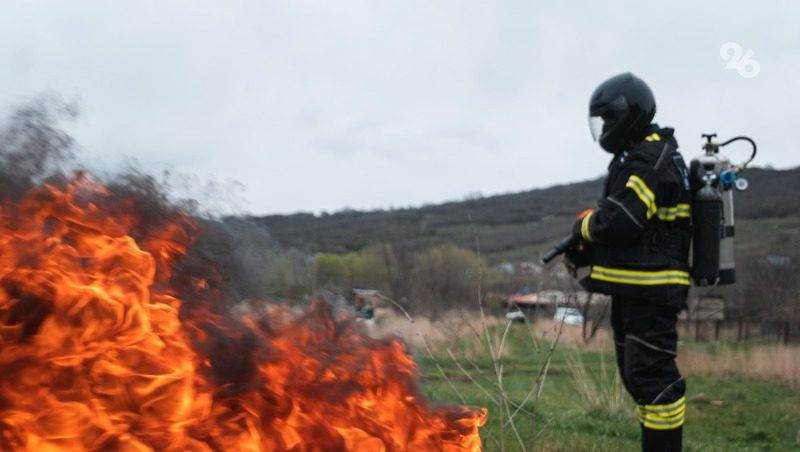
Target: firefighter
(636,247)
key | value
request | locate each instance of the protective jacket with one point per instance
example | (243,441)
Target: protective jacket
(637,240)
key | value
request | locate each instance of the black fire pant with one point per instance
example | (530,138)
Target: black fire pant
(645,340)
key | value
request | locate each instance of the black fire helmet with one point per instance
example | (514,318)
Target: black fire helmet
(620,111)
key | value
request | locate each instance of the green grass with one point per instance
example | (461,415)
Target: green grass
(733,414)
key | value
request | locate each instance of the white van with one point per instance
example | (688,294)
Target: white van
(570,316)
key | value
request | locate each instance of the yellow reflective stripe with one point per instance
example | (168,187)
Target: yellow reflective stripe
(663,417)
(653,137)
(640,277)
(665,407)
(673,417)
(658,426)
(644,193)
(671,213)
(664,424)
(585,231)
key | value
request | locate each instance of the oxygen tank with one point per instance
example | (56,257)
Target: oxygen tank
(707,224)
(712,213)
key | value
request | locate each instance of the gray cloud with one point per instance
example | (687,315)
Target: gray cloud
(318,106)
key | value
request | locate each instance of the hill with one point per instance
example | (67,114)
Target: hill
(519,226)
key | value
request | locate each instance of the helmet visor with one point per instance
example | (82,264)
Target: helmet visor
(596,126)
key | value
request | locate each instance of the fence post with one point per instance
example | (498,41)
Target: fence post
(785,332)
(739,331)
(697,330)
(716,329)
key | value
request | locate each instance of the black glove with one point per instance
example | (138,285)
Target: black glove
(578,256)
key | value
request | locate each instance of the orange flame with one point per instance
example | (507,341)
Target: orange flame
(96,353)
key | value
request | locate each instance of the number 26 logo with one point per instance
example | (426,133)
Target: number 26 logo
(739,60)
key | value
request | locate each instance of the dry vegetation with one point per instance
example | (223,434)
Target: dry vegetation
(573,399)
(458,330)
(448,330)
(572,336)
(600,387)
(776,362)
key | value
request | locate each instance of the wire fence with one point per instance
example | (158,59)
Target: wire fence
(738,331)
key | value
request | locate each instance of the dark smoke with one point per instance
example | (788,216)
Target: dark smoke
(32,146)
(35,149)
(238,248)
(230,254)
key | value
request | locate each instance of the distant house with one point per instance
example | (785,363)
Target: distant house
(522,300)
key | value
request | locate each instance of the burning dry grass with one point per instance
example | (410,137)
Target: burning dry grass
(776,362)
(114,336)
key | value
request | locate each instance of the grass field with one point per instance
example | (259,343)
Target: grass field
(582,406)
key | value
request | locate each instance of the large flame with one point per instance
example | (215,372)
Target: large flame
(97,350)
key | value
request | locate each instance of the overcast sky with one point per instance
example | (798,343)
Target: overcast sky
(311,106)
